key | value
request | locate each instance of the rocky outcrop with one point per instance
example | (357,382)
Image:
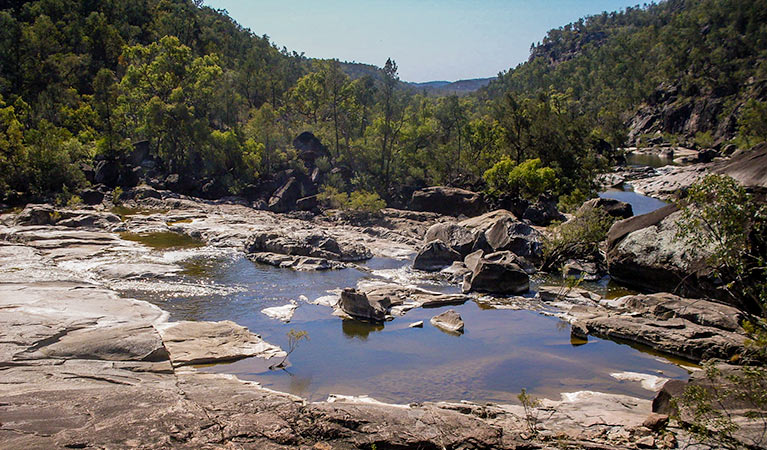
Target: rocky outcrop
(645,252)
(284,199)
(496,273)
(449,321)
(507,234)
(457,237)
(302,249)
(209,342)
(614,208)
(542,213)
(742,406)
(448,201)
(434,256)
(688,328)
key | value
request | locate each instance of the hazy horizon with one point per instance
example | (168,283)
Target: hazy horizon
(430,40)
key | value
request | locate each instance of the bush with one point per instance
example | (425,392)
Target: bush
(578,238)
(358,201)
(528,180)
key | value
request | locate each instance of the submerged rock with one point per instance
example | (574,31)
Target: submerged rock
(449,321)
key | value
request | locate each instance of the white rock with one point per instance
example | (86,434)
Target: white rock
(283,313)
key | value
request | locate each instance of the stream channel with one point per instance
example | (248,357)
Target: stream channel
(501,352)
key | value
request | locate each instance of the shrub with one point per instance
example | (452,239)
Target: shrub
(578,238)
(357,201)
(528,180)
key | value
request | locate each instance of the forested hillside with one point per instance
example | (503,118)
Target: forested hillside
(688,69)
(178,95)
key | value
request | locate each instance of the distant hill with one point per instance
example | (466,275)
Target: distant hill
(430,88)
(683,68)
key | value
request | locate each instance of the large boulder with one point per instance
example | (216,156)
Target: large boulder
(515,236)
(310,148)
(543,213)
(645,253)
(434,256)
(107,172)
(358,305)
(448,200)
(749,168)
(496,273)
(284,199)
(611,206)
(457,237)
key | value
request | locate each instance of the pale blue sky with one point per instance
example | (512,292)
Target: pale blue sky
(429,39)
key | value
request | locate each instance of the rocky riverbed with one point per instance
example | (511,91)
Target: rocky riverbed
(84,365)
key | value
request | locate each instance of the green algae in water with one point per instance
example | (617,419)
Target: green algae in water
(163,240)
(176,222)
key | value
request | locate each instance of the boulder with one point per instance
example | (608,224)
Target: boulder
(543,213)
(497,273)
(615,208)
(434,256)
(457,237)
(358,305)
(91,196)
(309,203)
(749,168)
(644,253)
(310,148)
(585,270)
(449,321)
(34,214)
(107,172)
(448,200)
(305,243)
(285,198)
(507,234)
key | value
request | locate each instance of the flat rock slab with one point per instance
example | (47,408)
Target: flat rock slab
(210,342)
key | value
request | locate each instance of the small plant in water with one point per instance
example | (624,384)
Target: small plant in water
(530,404)
(116,194)
(294,338)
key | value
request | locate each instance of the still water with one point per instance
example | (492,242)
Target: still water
(641,204)
(501,351)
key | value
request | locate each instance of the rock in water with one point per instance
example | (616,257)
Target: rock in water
(434,256)
(449,321)
(615,208)
(357,305)
(447,200)
(516,237)
(283,313)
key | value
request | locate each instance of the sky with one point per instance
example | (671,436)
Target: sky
(429,39)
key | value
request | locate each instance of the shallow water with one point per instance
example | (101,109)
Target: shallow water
(641,204)
(651,160)
(501,351)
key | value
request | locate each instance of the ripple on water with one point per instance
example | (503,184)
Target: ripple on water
(501,352)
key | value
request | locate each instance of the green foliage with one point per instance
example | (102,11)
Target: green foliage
(358,201)
(530,405)
(718,214)
(752,124)
(116,194)
(528,180)
(578,238)
(707,410)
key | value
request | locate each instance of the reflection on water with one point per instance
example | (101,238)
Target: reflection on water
(641,204)
(651,160)
(163,240)
(125,211)
(500,352)
(355,329)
